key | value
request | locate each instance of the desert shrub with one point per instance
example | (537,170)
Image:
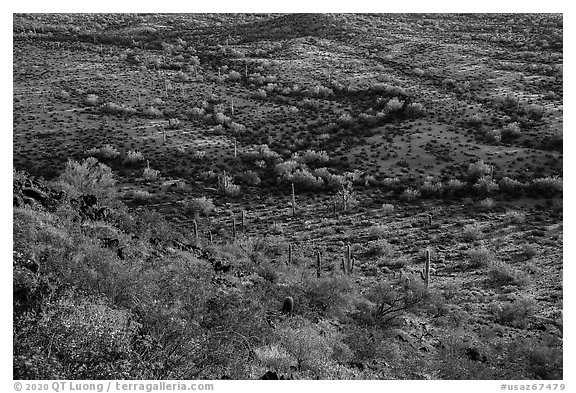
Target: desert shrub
(274,357)
(381,249)
(511,131)
(541,357)
(316,350)
(454,187)
(378,231)
(387,208)
(88,177)
(105,152)
(237,128)
(475,120)
(480,257)
(305,180)
(311,157)
(220,118)
(234,76)
(535,112)
(394,105)
(388,300)
(150,174)
(152,112)
(503,274)
(390,182)
(478,170)
(202,205)
(430,188)
(134,157)
(196,113)
(487,204)
(231,189)
(547,186)
(517,313)
(485,186)
(511,187)
(79,338)
(529,251)
(91,100)
(410,194)
(260,94)
(415,110)
(471,232)
(515,217)
(141,196)
(249,177)
(493,136)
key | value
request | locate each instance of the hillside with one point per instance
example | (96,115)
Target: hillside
(177,177)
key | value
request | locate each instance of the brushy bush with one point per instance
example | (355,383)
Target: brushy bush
(79,338)
(394,105)
(517,313)
(387,208)
(249,177)
(105,152)
(133,157)
(152,112)
(480,257)
(88,177)
(485,186)
(502,274)
(410,194)
(478,170)
(202,205)
(511,187)
(454,187)
(547,186)
(150,174)
(91,100)
(487,204)
(472,232)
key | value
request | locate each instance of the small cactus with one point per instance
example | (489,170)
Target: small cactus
(425,272)
(288,306)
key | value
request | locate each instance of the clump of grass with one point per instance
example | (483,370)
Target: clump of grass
(517,313)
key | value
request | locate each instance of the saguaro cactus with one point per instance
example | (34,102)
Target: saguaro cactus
(243,219)
(293,202)
(288,306)
(343,264)
(195,229)
(210,236)
(348,258)
(318,264)
(289,253)
(234,228)
(425,272)
(164,137)
(235,148)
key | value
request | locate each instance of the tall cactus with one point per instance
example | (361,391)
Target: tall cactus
(318,264)
(235,148)
(343,264)
(425,272)
(210,239)
(234,227)
(243,220)
(293,201)
(289,254)
(195,229)
(348,259)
